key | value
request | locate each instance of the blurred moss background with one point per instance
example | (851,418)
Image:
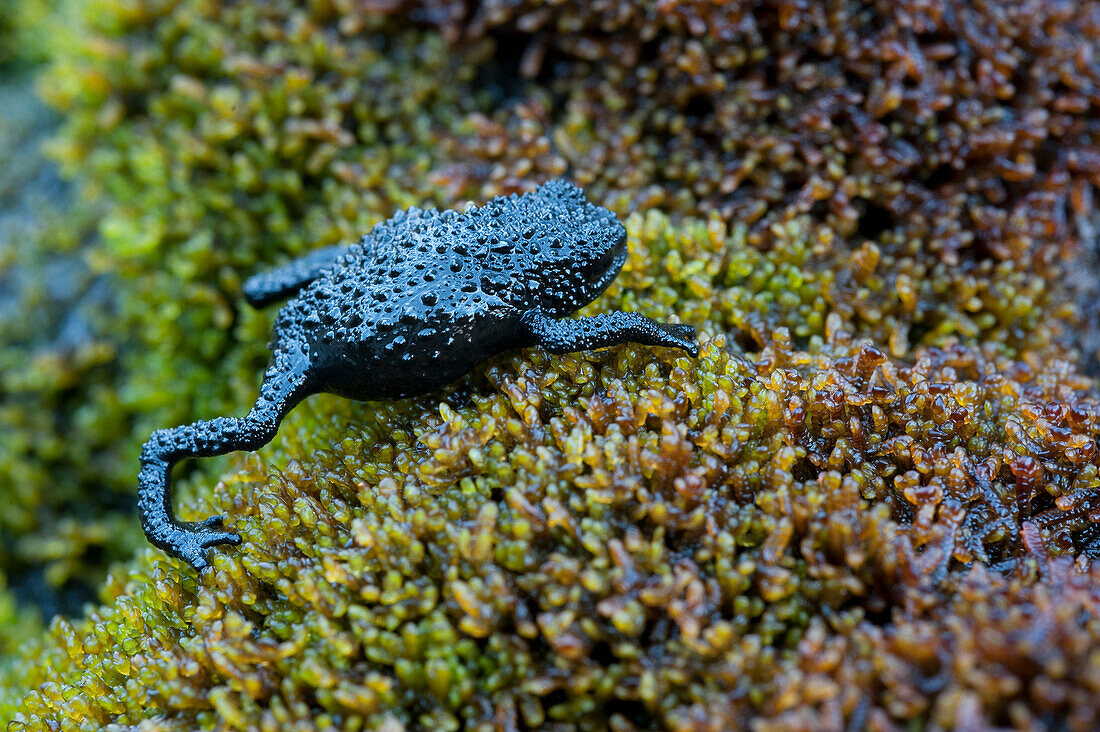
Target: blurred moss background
(872,502)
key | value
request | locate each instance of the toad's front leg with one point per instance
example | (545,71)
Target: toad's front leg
(606,329)
(285,383)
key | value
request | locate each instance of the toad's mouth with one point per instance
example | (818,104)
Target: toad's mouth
(608,266)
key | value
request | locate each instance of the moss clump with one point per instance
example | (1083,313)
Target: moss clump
(8,10)
(872,500)
(54,358)
(22,34)
(17,624)
(630,539)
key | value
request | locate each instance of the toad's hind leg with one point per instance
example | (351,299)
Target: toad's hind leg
(286,382)
(283,282)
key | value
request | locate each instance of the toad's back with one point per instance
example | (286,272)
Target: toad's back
(411,312)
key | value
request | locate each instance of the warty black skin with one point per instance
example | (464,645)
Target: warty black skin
(418,302)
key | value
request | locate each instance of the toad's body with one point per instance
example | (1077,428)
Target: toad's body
(418,302)
(429,294)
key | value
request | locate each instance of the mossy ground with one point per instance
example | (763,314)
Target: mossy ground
(871,503)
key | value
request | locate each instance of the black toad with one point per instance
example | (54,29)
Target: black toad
(418,302)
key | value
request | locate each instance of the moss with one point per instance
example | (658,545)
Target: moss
(7,30)
(871,501)
(17,625)
(627,537)
(23,31)
(54,357)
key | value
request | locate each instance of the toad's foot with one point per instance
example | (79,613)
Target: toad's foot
(679,335)
(189,541)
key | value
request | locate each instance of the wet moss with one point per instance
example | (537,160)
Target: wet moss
(629,538)
(54,356)
(17,625)
(871,503)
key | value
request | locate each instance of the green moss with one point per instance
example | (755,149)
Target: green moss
(17,625)
(54,360)
(8,10)
(23,33)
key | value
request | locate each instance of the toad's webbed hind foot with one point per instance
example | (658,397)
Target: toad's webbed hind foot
(285,384)
(189,540)
(282,282)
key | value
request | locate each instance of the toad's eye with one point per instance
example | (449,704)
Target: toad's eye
(604,261)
